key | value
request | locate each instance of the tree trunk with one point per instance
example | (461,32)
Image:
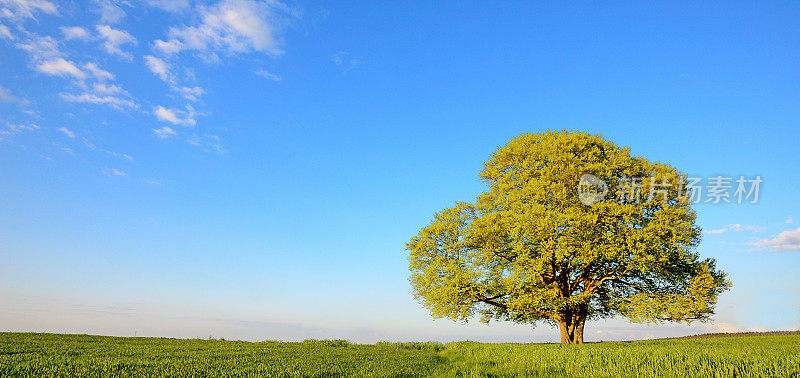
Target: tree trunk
(578,336)
(580,321)
(564,327)
(571,326)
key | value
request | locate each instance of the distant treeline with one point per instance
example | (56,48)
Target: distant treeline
(733,334)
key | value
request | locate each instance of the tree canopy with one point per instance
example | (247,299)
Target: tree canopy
(533,249)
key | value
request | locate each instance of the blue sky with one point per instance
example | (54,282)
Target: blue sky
(252,170)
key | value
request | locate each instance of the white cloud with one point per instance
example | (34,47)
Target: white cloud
(61,67)
(789,220)
(189,93)
(737,228)
(41,48)
(345,61)
(111,11)
(113,172)
(233,26)
(90,98)
(165,132)
(268,75)
(168,47)
(91,146)
(5,33)
(48,58)
(169,5)
(101,92)
(175,116)
(97,72)
(208,142)
(5,95)
(161,68)
(785,241)
(114,38)
(106,89)
(66,132)
(158,67)
(21,9)
(12,129)
(74,32)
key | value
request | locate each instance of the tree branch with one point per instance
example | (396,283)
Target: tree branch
(591,288)
(491,301)
(634,286)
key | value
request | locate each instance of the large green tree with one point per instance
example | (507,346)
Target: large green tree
(532,248)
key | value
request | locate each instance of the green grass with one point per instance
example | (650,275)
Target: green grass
(753,356)
(32,354)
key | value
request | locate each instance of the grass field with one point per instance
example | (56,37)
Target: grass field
(36,354)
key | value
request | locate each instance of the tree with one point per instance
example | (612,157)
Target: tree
(529,250)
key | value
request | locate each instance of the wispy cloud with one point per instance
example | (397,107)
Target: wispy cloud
(16,129)
(61,67)
(5,33)
(228,27)
(168,47)
(175,116)
(111,11)
(47,57)
(208,142)
(66,132)
(41,48)
(174,6)
(113,39)
(164,132)
(90,98)
(75,32)
(159,68)
(97,72)
(345,61)
(217,28)
(22,9)
(269,75)
(189,93)
(785,241)
(5,95)
(231,26)
(111,172)
(93,147)
(108,89)
(101,92)
(736,228)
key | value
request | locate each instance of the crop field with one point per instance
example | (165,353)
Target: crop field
(36,354)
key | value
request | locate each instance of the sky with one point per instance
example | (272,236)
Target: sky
(253,169)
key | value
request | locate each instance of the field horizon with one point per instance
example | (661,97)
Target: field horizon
(213,338)
(726,355)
